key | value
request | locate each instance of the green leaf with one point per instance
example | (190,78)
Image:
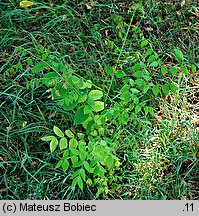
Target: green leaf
(146,110)
(178,54)
(82,155)
(90,101)
(126,96)
(138,109)
(83,174)
(193,68)
(166,88)
(63,143)
(139,82)
(98,106)
(80,117)
(74,160)
(137,55)
(69,133)
(149,52)
(50,79)
(120,74)
(76,173)
(58,132)
(147,77)
(82,145)
(66,153)
(44,56)
(88,84)
(89,126)
(151,58)
(89,182)
(79,164)
(73,143)
(59,91)
(80,136)
(53,144)
(74,151)
(146,88)
(80,182)
(95,94)
(87,109)
(47,138)
(109,162)
(59,164)
(57,66)
(52,57)
(74,79)
(173,87)
(100,190)
(138,74)
(131,107)
(29,61)
(87,166)
(151,111)
(185,70)
(136,67)
(134,91)
(20,66)
(74,182)
(99,171)
(37,82)
(144,43)
(108,70)
(132,82)
(65,165)
(155,89)
(135,99)
(39,67)
(125,88)
(154,64)
(69,105)
(173,70)
(164,70)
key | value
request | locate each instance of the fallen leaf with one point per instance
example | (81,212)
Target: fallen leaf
(183,3)
(88,7)
(107,33)
(149,29)
(26,4)
(3,190)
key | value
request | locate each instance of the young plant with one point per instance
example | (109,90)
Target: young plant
(90,159)
(87,154)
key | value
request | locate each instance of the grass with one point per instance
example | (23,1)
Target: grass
(159,158)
